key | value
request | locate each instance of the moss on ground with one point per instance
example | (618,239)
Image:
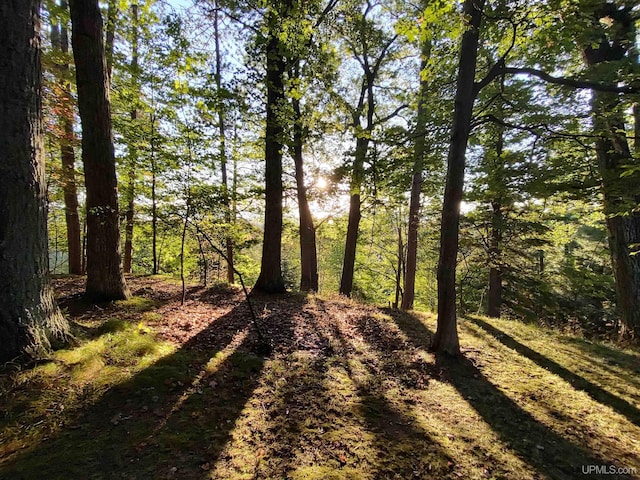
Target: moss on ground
(349,392)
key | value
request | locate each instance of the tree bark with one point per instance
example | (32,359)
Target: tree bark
(105,279)
(67,154)
(399,264)
(270,279)
(353,225)
(494,297)
(308,251)
(29,316)
(154,200)
(446,337)
(621,198)
(416,185)
(620,206)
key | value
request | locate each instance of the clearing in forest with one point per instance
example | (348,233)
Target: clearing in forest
(155,389)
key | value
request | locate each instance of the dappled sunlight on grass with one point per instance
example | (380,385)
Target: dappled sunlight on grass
(349,392)
(50,395)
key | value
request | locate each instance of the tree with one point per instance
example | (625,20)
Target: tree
(603,56)
(370,46)
(270,279)
(220,108)
(132,160)
(105,279)
(446,337)
(416,181)
(60,41)
(29,317)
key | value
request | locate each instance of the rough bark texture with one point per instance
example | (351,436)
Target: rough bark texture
(416,186)
(446,337)
(105,279)
(67,154)
(270,279)
(621,196)
(621,193)
(29,316)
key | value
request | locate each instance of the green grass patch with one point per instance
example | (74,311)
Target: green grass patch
(350,392)
(137,304)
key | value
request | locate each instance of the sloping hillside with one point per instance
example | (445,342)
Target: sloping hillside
(155,389)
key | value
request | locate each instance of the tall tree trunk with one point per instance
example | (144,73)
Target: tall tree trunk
(270,279)
(621,197)
(353,225)
(105,279)
(494,297)
(29,316)
(110,35)
(67,155)
(620,206)
(222,145)
(399,265)
(154,200)
(130,191)
(446,337)
(416,184)
(308,251)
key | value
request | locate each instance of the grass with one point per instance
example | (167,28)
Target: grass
(349,392)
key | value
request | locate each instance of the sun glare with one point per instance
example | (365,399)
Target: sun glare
(321,183)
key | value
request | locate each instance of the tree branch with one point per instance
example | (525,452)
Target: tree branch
(500,69)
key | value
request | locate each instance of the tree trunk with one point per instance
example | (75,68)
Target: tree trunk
(105,279)
(29,316)
(357,177)
(494,297)
(620,192)
(110,35)
(399,265)
(308,251)
(446,337)
(416,185)
(620,200)
(130,191)
(67,155)
(154,200)
(270,279)
(223,153)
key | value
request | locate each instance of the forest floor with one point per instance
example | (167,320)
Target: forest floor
(153,389)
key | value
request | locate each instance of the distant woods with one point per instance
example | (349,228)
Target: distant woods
(474,158)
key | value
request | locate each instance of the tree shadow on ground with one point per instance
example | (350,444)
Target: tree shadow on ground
(404,449)
(167,421)
(550,454)
(580,383)
(325,419)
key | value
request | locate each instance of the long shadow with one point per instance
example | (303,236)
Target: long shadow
(166,421)
(594,391)
(404,448)
(626,360)
(555,456)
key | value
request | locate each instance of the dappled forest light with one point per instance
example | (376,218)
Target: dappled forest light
(321,239)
